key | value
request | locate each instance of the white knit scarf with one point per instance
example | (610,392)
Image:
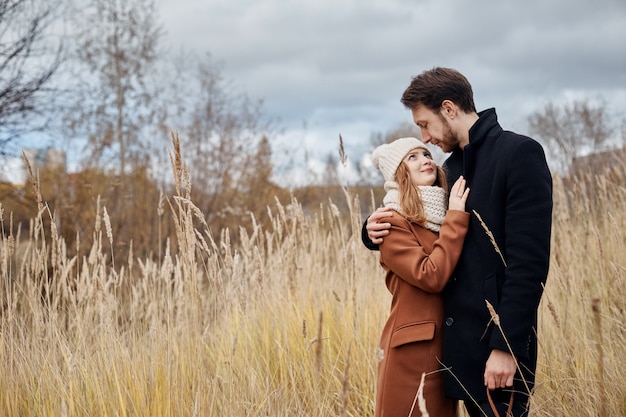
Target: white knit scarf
(433,198)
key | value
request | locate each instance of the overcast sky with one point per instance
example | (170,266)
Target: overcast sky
(330,67)
(325,67)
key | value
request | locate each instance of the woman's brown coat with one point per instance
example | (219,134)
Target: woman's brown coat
(418,263)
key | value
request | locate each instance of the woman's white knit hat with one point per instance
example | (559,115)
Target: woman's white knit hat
(387,157)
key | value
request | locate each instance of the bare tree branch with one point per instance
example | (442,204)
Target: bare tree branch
(572,130)
(27,67)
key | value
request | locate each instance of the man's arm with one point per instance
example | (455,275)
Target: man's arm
(528,216)
(528,225)
(374,229)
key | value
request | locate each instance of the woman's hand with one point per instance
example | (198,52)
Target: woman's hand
(458,195)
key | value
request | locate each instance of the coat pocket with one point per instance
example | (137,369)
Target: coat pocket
(413,332)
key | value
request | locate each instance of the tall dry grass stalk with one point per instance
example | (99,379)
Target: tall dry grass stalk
(284,324)
(581,361)
(211,329)
(492,239)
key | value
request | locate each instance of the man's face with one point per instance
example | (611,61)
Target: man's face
(435,128)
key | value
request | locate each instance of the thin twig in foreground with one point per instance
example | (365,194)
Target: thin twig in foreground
(490,235)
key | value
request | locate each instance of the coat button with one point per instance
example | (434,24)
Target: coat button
(449,321)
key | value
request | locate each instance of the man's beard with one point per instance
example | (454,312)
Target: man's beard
(449,140)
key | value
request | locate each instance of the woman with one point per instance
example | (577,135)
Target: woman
(419,256)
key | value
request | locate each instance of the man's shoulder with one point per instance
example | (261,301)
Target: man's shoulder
(489,128)
(513,141)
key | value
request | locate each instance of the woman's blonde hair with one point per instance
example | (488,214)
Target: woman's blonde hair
(410,199)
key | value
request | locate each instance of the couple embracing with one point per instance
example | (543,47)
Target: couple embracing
(465,248)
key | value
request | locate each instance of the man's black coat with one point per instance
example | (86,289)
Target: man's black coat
(511,191)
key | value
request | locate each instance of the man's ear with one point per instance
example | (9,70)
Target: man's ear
(448,109)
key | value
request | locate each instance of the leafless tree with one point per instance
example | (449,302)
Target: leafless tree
(117,44)
(571,130)
(29,58)
(225,138)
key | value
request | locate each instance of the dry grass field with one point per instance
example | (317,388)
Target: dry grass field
(284,324)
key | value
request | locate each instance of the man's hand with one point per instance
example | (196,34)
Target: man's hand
(376,230)
(499,370)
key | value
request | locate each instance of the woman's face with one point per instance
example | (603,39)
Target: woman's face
(422,168)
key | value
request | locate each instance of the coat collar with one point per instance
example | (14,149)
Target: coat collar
(462,161)
(483,128)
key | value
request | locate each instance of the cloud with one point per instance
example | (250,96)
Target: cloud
(328,67)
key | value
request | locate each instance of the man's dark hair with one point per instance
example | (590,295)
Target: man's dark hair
(432,87)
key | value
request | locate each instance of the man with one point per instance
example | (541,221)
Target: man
(490,360)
